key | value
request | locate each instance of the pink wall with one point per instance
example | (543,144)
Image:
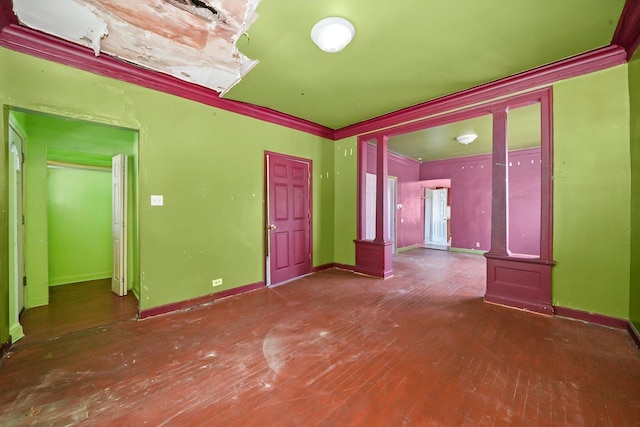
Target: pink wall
(409,218)
(471,199)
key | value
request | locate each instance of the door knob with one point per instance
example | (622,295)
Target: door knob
(271,227)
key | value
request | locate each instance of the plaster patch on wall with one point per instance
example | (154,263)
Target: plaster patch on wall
(63,18)
(192,41)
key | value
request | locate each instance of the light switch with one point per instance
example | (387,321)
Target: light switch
(157,200)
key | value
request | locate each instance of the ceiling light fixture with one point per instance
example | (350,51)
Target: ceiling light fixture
(467,138)
(333,34)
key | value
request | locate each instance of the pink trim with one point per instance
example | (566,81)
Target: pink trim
(627,32)
(635,335)
(323,267)
(5,348)
(520,283)
(382,172)
(345,267)
(585,63)
(598,319)
(194,302)
(44,46)
(546,174)
(374,258)
(499,193)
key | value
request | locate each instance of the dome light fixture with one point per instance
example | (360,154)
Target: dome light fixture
(333,34)
(467,138)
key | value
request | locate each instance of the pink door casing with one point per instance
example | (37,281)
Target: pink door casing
(289,218)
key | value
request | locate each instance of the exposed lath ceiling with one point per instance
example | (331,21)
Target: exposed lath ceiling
(193,40)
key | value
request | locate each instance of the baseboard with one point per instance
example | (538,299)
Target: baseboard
(598,319)
(635,335)
(468,251)
(323,267)
(194,302)
(16,333)
(79,278)
(345,267)
(5,347)
(406,248)
(437,246)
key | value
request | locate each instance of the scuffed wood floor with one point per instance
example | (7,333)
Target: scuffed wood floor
(75,307)
(335,349)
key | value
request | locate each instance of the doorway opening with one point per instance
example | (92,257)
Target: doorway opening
(437,214)
(66,222)
(509,221)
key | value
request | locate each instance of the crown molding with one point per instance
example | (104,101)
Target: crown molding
(35,43)
(627,32)
(586,63)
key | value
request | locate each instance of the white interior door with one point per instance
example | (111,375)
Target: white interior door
(118,226)
(439,217)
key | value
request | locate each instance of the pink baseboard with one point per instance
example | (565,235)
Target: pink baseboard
(600,319)
(323,267)
(182,305)
(5,347)
(635,335)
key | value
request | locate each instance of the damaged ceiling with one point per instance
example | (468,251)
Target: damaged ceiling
(193,40)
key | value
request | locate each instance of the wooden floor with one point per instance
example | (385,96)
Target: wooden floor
(76,307)
(335,349)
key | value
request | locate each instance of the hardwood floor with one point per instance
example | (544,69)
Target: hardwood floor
(76,307)
(335,349)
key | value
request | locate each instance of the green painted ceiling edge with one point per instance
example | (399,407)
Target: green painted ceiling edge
(409,52)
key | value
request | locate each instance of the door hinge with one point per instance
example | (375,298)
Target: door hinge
(24,280)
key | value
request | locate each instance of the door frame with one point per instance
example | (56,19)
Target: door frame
(119,220)
(265,226)
(16,205)
(133,210)
(518,291)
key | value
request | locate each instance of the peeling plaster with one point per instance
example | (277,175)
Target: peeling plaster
(194,41)
(63,18)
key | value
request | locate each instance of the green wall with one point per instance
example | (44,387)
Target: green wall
(346,162)
(79,225)
(634,95)
(592,193)
(208,164)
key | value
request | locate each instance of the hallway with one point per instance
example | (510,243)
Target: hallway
(335,349)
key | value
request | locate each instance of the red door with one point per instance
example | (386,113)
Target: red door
(289,221)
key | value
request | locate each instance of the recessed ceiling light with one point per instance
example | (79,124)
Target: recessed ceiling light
(333,34)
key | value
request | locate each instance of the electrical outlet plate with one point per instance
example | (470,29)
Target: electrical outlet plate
(157,200)
(216,282)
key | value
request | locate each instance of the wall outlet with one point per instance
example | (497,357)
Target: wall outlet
(216,282)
